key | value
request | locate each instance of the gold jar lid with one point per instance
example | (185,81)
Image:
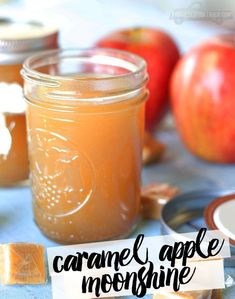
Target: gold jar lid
(20,39)
(219,215)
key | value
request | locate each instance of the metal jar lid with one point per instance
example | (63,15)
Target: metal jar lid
(20,39)
(185,213)
(220,213)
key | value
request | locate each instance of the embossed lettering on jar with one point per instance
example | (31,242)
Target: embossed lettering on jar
(85,122)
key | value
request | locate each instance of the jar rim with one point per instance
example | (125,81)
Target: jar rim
(135,65)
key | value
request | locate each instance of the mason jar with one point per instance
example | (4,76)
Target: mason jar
(18,40)
(85,121)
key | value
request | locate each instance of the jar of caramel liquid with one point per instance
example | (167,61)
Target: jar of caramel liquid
(85,117)
(18,40)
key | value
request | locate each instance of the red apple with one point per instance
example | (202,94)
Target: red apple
(203,99)
(160,52)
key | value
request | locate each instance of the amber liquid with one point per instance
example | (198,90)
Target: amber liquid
(14,165)
(85,167)
(11,73)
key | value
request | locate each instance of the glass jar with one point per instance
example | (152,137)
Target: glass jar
(18,40)
(85,118)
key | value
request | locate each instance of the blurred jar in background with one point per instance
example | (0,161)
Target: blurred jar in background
(18,40)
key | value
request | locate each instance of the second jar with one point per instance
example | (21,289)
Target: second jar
(85,115)
(18,40)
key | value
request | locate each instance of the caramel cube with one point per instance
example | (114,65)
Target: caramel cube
(152,150)
(183,295)
(154,196)
(22,263)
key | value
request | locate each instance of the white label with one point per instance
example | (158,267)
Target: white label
(12,99)
(5,137)
(139,266)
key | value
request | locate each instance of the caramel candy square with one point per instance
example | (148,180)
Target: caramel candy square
(183,295)
(152,150)
(22,263)
(154,196)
